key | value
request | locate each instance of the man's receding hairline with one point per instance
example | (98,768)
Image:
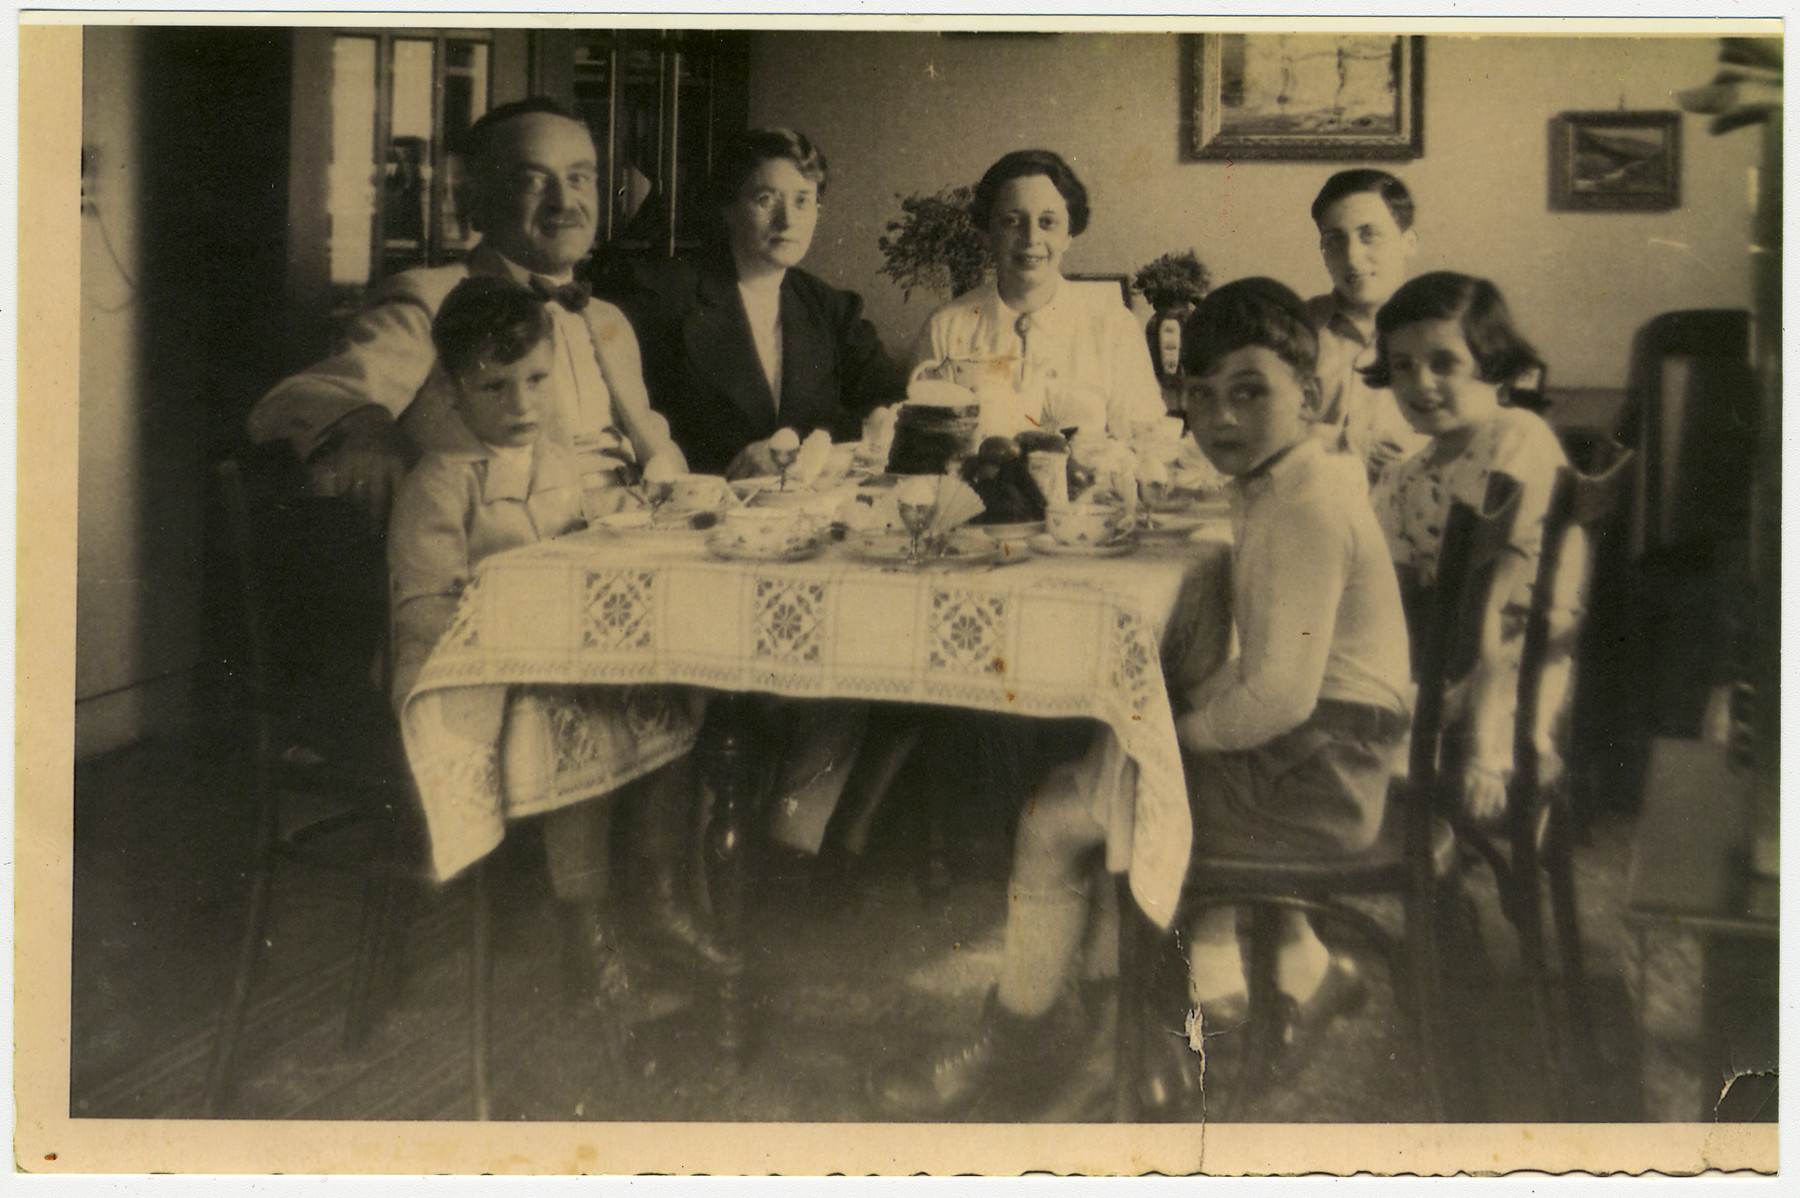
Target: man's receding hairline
(491,143)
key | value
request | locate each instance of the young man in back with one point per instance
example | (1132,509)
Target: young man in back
(1366,236)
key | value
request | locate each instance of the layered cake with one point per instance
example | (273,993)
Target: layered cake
(928,437)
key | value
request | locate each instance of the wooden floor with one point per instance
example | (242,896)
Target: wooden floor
(842,981)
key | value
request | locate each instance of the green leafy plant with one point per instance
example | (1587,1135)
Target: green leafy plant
(935,246)
(1173,280)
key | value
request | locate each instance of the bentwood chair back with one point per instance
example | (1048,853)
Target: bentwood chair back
(329,779)
(1532,849)
(1413,859)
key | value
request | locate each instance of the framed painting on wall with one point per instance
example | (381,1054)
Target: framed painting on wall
(1308,96)
(1615,161)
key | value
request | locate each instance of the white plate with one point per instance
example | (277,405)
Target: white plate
(966,548)
(1047,544)
(732,551)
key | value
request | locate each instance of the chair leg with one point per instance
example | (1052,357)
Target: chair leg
(390,959)
(1526,883)
(231,1019)
(1266,1031)
(1577,1018)
(1424,983)
(1129,1028)
(358,1013)
(481,979)
(933,877)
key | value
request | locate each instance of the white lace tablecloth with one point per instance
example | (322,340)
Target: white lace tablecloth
(1049,637)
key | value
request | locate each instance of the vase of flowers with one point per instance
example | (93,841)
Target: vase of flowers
(935,244)
(1172,285)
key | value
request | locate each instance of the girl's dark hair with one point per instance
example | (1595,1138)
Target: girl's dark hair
(1255,311)
(1501,354)
(1021,164)
(488,318)
(748,150)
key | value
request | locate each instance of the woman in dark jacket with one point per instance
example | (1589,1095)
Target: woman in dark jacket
(741,342)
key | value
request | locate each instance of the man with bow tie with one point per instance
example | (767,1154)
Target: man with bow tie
(361,417)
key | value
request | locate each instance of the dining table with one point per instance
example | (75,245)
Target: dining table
(1037,629)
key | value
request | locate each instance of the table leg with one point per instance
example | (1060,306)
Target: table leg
(725,766)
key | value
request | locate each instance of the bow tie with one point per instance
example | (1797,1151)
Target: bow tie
(573,296)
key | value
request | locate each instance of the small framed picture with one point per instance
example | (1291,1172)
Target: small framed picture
(1615,161)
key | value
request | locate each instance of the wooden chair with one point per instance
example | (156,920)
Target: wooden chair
(1531,849)
(1414,858)
(329,776)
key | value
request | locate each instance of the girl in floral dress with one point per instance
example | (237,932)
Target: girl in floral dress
(1447,346)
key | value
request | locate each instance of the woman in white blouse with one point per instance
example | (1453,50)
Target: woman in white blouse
(1038,352)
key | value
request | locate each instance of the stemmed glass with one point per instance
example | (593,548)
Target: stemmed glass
(917,518)
(1151,493)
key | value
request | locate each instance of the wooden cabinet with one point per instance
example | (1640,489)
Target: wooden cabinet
(372,173)
(377,113)
(659,103)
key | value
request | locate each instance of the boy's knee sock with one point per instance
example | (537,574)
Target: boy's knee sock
(1302,958)
(1043,931)
(1100,940)
(1215,964)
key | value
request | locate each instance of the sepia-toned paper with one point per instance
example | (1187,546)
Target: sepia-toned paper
(48,1140)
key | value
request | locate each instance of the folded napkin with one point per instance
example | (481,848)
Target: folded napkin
(953,502)
(814,456)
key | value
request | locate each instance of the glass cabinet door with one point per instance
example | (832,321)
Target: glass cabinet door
(656,103)
(397,103)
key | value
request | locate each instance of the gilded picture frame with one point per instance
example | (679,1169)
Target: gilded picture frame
(1308,97)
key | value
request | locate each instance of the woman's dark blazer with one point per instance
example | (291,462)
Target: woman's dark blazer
(701,367)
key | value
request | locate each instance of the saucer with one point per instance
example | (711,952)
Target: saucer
(664,523)
(1011,532)
(1046,544)
(631,520)
(965,548)
(1172,527)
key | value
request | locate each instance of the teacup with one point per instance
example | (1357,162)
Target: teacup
(766,531)
(1085,523)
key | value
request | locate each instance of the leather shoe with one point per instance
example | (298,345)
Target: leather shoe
(1169,1088)
(676,934)
(1341,992)
(1007,1052)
